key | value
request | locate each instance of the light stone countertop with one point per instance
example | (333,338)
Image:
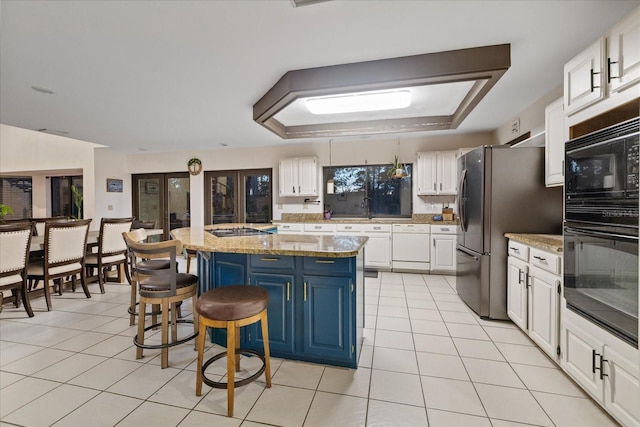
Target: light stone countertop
(319,218)
(549,242)
(198,238)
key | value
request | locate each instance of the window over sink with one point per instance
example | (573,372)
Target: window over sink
(368,191)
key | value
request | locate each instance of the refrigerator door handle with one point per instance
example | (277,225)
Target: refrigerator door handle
(460,204)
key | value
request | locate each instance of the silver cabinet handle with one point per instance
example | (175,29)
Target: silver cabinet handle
(434,187)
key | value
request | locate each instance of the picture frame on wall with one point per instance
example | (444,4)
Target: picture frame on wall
(114,185)
(151,187)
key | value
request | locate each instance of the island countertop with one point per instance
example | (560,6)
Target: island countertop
(198,238)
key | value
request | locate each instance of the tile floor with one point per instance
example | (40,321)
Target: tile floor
(427,360)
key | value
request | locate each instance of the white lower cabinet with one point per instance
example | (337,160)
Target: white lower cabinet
(533,294)
(443,248)
(603,365)
(291,228)
(377,250)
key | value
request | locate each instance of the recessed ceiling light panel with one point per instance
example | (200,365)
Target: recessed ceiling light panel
(444,88)
(363,101)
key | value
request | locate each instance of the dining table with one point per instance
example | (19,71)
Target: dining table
(37,242)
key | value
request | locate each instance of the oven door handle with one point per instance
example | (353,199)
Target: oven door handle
(600,234)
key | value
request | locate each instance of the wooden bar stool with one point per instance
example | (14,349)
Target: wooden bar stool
(232,307)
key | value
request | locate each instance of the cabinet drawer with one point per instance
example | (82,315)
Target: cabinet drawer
(353,228)
(271,262)
(290,228)
(319,228)
(376,228)
(444,229)
(518,250)
(544,260)
(327,265)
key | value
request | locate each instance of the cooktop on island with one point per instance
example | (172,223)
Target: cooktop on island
(237,232)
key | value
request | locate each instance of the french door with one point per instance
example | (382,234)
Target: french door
(164,198)
(242,196)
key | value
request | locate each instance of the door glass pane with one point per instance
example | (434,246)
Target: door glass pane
(178,202)
(64,201)
(257,198)
(149,201)
(223,199)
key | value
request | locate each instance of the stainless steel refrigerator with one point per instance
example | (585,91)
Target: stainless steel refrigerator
(500,190)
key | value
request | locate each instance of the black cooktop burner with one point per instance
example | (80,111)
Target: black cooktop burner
(235,232)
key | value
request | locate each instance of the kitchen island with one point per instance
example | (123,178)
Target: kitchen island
(315,285)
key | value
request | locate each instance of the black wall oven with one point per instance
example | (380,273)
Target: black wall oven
(601,228)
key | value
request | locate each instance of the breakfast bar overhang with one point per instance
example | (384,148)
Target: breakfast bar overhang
(315,286)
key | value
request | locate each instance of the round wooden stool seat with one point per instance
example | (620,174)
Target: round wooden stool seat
(231,307)
(232,302)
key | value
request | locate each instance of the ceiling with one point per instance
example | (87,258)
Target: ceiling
(184,75)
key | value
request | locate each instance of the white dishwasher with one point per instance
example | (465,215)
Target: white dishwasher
(411,247)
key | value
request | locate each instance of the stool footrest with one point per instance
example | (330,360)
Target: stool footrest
(170,344)
(239,383)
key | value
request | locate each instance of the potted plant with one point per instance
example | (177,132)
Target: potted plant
(5,210)
(397,169)
(77,201)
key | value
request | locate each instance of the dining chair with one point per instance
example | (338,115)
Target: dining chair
(39,223)
(165,288)
(64,256)
(15,240)
(133,274)
(112,249)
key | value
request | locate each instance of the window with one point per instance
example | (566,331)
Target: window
(15,192)
(368,191)
(65,201)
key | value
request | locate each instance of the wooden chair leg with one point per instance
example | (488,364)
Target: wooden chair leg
(25,300)
(141,310)
(102,277)
(231,357)
(174,322)
(132,305)
(237,346)
(196,317)
(47,293)
(265,341)
(164,352)
(83,282)
(202,331)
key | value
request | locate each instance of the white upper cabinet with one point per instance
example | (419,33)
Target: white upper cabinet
(298,177)
(606,69)
(555,137)
(624,52)
(437,173)
(584,78)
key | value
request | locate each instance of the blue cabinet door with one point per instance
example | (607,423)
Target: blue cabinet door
(279,313)
(327,306)
(228,269)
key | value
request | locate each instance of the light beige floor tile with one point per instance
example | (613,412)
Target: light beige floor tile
(434,344)
(394,339)
(492,372)
(70,367)
(424,295)
(429,327)
(573,411)
(424,314)
(268,409)
(395,292)
(8,378)
(398,301)
(391,359)
(548,380)
(329,410)
(389,311)
(104,410)
(180,390)
(445,290)
(507,335)
(525,355)
(105,374)
(199,419)
(118,326)
(451,395)
(154,414)
(144,381)
(422,304)
(441,365)
(477,349)
(366,356)
(37,361)
(507,324)
(52,406)
(504,423)
(458,317)
(48,336)
(396,387)
(23,392)
(82,341)
(385,414)
(512,404)
(352,382)
(370,321)
(460,330)
(412,279)
(393,324)
(446,297)
(298,374)
(110,347)
(17,352)
(439,418)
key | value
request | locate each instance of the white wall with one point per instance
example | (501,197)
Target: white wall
(113,165)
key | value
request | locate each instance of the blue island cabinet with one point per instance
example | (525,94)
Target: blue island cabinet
(316,304)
